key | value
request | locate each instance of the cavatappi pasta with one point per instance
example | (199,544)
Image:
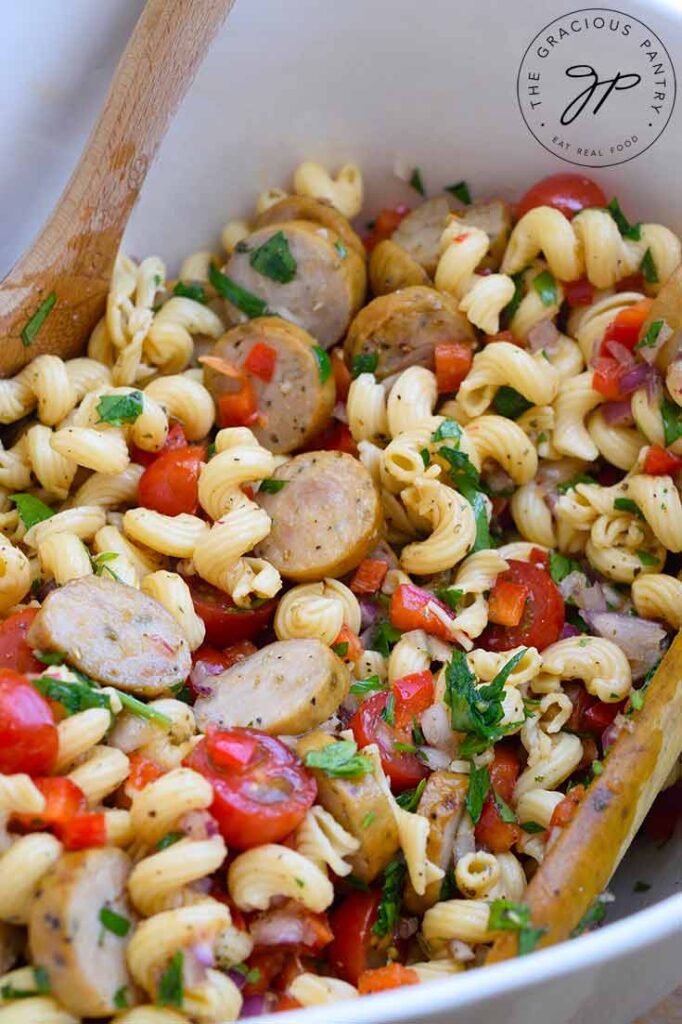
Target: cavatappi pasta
(311,646)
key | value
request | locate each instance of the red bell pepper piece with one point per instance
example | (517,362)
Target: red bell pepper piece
(578,293)
(566,811)
(507,602)
(659,461)
(261,361)
(453,361)
(413,694)
(380,979)
(83,831)
(412,608)
(368,576)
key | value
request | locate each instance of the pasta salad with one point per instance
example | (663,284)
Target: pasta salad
(330,576)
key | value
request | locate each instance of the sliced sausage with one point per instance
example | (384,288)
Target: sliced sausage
(402,329)
(667,306)
(419,233)
(328,286)
(285,688)
(361,807)
(115,634)
(495,219)
(84,959)
(442,803)
(319,211)
(391,268)
(324,519)
(295,404)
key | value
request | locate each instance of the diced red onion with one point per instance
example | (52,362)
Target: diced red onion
(577,587)
(592,599)
(618,414)
(238,978)
(407,927)
(640,640)
(434,759)
(256,1005)
(544,334)
(435,724)
(340,413)
(383,552)
(369,611)
(620,353)
(569,631)
(203,953)
(201,678)
(639,376)
(199,825)
(280,928)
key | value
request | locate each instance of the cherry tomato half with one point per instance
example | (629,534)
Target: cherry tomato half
(171,484)
(261,790)
(28,735)
(543,616)
(568,193)
(404,769)
(225,623)
(352,921)
(14,650)
(498,835)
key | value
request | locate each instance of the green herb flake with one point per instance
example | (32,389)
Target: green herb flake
(341,249)
(426,457)
(627,230)
(561,566)
(504,810)
(409,798)
(509,311)
(461,191)
(416,182)
(31,509)
(671,415)
(274,259)
(340,650)
(451,596)
(271,486)
(637,700)
(119,409)
(627,505)
(532,827)
(170,839)
(579,478)
(121,998)
(646,558)
(593,916)
(356,883)
(368,819)
(193,291)
(391,898)
(362,687)
(366,362)
(446,430)
(113,922)
(324,364)
(245,301)
(170,991)
(506,915)
(466,479)
(388,713)
(404,748)
(648,267)
(383,637)
(597,768)
(73,696)
(32,327)
(508,402)
(100,564)
(42,987)
(473,708)
(340,760)
(300,883)
(545,285)
(651,337)
(479,785)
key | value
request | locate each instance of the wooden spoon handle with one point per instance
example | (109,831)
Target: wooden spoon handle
(75,251)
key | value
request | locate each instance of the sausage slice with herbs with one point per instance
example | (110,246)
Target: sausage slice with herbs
(325,516)
(115,634)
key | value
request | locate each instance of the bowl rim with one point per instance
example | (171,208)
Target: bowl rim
(647,927)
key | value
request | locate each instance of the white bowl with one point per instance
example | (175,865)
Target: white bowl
(387,83)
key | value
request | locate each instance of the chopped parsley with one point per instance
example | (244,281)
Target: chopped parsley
(532,827)
(341,650)
(366,362)
(637,700)
(627,230)
(479,786)
(383,637)
(42,983)
(368,819)
(271,486)
(473,708)
(192,291)
(579,478)
(593,916)
(113,922)
(170,839)
(461,191)
(31,509)
(651,337)
(119,409)
(245,301)
(409,798)
(170,991)
(404,748)
(627,505)
(341,249)
(388,713)
(504,810)
(324,365)
(339,760)
(416,182)
(426,457)
(561,566)
(73,697)
(545,285)
(32,327)
(645,557)
(447,429)
(274,259)
(364,686)
(67,695)
(671,415)
(648,267)
(451,596)
(506,915)
(391,898)
(508,402)
(121,998)
(467,480)
(509,311)
(100,564)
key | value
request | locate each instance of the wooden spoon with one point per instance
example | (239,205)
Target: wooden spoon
(53,297)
